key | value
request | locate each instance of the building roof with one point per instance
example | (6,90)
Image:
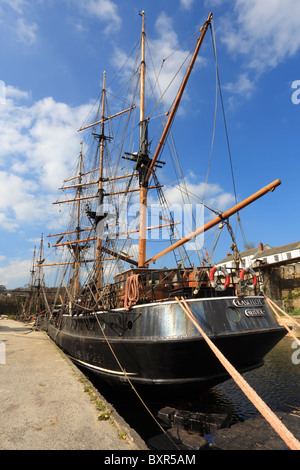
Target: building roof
(244,254)
(277,250)
(257,253)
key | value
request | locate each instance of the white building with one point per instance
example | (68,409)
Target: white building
(265,255)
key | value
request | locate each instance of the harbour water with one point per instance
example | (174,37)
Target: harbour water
(277,382)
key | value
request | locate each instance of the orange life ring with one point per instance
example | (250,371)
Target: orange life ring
(213,283)
(254,280)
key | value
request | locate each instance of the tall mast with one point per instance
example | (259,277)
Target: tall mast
(100,186)
(143,158)
(145,165)
(204,29)
(78,230)
(39,279)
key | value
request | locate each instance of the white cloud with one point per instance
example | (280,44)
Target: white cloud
(166,58)
(14,93)
(186,4)
(265,32)
(22,29)
(39,143)
(15,272)
(16,5)
(26,32)
(185,202)
(104,10)
(212,193)
(243,86)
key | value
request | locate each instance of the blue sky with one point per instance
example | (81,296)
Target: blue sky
(52,56)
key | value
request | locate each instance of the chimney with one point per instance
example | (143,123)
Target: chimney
(261,246)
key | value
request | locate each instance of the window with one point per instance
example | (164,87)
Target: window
(288,255)
(276,258)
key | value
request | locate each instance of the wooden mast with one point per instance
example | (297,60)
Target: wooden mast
(147,165)
(269,188)
(78,230)
(143,186)
(100,187)
(179,96)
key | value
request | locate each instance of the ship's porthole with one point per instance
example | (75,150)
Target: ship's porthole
(233,314)
(129,325)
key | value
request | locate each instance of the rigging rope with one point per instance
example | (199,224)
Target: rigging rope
(225,124)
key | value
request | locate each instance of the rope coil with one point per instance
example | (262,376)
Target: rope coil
(134,287)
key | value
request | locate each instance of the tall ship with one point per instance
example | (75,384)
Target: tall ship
(127,260)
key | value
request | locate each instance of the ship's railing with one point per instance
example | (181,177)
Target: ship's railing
(161,285)
(164,284)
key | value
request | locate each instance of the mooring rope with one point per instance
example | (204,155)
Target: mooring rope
(272,305)
(261,406)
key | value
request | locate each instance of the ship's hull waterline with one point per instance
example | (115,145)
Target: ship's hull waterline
(157,345)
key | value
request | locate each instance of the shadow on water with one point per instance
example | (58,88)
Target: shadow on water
(277,382)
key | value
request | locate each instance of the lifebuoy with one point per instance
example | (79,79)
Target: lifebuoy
(254,279)
(213,283)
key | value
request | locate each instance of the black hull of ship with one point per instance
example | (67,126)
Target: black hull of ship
(158,347)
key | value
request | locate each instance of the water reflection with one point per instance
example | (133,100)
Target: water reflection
(277,382)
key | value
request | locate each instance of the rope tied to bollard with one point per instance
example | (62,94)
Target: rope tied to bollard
(261,406)
(272,305)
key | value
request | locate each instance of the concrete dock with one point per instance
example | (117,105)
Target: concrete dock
(46,403)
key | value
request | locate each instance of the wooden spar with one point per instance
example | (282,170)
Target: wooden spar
(120,177)
(133,190)
(179,96)
(270,187)
(66,233)
(107,118)
(74,242)
(143,188)
(118,256)
(152,228)
(79,185)
(97,182)
(106,194)
(75,199)
(66,263)
(82,174)
(131,231)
